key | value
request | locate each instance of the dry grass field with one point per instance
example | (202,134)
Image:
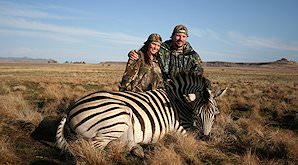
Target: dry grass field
(258,122)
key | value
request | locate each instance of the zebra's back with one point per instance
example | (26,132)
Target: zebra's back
(138,117)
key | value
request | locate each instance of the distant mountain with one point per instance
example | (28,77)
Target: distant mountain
(25,60)
(113,63)
(282,61)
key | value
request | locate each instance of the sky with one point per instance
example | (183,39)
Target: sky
(96,31)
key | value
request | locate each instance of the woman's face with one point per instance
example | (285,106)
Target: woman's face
(154,47)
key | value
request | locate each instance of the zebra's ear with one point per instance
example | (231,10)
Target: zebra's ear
(190,97)
(221,93)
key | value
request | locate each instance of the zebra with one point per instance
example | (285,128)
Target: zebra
(141,118)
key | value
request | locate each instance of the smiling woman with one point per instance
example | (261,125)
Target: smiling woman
(144,73)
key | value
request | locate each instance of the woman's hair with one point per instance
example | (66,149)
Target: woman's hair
(144,50)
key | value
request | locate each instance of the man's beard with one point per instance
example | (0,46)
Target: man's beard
(179,44)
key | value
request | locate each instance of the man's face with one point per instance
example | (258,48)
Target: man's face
(154,47)
(179,39)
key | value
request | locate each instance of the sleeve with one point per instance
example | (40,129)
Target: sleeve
(196,60)
(198,64)
(131,72)
(164,60)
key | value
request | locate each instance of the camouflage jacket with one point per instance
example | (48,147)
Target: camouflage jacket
(172,61)
(139,76)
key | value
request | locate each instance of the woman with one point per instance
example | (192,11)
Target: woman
(144,73)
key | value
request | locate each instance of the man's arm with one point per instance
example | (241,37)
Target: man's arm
(133,55)
(164,61)
(196,59)
(197,64)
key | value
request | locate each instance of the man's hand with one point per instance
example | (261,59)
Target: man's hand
(133,55)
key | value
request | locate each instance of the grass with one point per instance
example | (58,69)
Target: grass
(257,123)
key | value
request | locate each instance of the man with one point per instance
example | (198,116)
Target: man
(177,54)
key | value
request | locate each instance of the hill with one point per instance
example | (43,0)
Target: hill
(25,60)
(280,62)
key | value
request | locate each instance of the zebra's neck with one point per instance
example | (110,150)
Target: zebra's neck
(183,110)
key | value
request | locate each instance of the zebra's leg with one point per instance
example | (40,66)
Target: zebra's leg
(100,143)
(132,145)
(113,130)
(102,139)
(138,151)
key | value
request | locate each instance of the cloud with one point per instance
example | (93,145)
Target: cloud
(62,33)
(209,34)
(20,19)
(38,11)
(254,41)
(22,23)
(237,38)
(40,34)
(20,51)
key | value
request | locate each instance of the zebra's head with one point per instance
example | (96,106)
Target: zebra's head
(194,91)
(205,109)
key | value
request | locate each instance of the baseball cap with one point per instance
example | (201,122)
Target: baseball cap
(154,37)
(180,29)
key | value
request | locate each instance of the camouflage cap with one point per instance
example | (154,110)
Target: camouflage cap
(154,37)
(180,29)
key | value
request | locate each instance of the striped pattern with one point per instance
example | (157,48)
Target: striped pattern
(141,117)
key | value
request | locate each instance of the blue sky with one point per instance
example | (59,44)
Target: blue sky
(96,31)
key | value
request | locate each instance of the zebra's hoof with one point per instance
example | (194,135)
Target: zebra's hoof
(137,151)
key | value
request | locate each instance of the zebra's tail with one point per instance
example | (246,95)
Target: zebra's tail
(60,139)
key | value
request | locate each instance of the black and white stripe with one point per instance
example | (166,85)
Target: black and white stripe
(141,117)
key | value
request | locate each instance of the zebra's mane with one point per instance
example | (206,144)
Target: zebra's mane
(190,77)
(186,81)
